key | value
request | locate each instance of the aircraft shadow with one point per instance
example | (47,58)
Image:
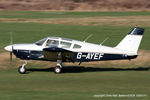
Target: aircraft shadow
(77,69)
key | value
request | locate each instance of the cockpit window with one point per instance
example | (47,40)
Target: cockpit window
(52,43)
(76,46)
(40,42)
(65,44)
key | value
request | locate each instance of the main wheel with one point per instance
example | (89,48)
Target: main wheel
(57,70)
(22,70)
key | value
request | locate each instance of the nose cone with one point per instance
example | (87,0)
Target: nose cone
(8,48)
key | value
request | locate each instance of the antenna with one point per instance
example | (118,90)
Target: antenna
(88,37)
(104,40)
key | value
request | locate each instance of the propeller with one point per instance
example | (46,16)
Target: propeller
(11,43)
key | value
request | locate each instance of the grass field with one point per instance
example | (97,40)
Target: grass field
(56,14)
(72,86)
(79,82)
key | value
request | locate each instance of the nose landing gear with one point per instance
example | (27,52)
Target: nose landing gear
(22,69)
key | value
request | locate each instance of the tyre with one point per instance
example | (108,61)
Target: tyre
(22,70)
(57,70)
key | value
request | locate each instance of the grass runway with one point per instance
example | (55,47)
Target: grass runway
(43,84)
(71,86)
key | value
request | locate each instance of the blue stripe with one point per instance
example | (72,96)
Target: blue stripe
(77,56)
(84,57)
(28,55)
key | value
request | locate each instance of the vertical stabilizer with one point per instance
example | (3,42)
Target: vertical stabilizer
(132,41)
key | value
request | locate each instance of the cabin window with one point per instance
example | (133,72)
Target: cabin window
(65,44)
(76,46)
(52,43)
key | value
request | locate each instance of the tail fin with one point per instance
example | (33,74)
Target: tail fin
(132,41)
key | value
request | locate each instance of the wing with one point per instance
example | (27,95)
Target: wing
(55,53)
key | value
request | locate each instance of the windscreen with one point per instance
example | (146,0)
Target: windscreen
(40,42)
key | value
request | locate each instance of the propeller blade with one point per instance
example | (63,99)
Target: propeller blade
(10,57)
(11,43)
(11,39)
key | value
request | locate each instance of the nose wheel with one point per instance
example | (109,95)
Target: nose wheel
(22,69)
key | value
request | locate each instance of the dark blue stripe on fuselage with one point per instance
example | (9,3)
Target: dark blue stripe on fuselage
(78,56)
(83,57)
(27,54)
